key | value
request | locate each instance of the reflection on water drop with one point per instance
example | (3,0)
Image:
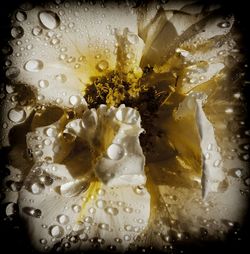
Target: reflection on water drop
(43,83)
(115,152)
(33,65)
(61,77)
(111,210)
(224,24)
(21,16)
(127,115)
(83,237)
(37,31)
(63,219)
(12,72)
(11,209)
(32,212)
(132,38)
(36,188)
(101,203)
(247,181)
(56,231)
(49,19)
(51,132)
(103,226)
(46,180)
(74,100)
(102,65)
(17,115)
(76,208)
(17,32)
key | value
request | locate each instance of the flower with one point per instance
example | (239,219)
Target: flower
(88,80)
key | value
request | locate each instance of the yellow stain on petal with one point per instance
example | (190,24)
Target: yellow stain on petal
(90,194)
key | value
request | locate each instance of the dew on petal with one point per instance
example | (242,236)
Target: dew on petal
(17,115)
(37,31)
(21,16)
(101,203)
(10,209)
(74,100)
(224,24)
(17,32)
(76,208)
(12,72)
(51,132)
(32,212)
(102,65)
(36,188)
(63,219)
(111,210)
(115,152)
(43,83)
(33,65)
(49,19)
(61,78)
(56,231)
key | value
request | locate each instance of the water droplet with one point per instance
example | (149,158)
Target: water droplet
(49,19)
(128,209)
(21,16)
(11,209)
(101,203)
(127,238)
(103,226)
(43,83)
(12,72)
(115,152)
(51,132)
(36,188)
(217,163)
(118,240)
(76,208)
(43,241)
(83,237)
(33,65)
(17,115)
(17,32)
(37,31)
(224,24)
(247,181)
(74,100)
(56,231)
(111,210)
(61,77)
(92,210)
(88,219)
(102,65)
(140,190)
(63,219)
(45,179)
(32,212)
(101,192)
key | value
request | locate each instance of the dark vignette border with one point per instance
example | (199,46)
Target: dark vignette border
(12,236)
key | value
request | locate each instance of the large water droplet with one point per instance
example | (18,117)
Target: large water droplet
(43,83)
(63,219)
(11,209)
(102,65)
(111,210)
(49,19)
(17,32)
(115,152)
(12,72)
(32,212)
(224,24)
(56,231)
(17,115)
(51,132)
(33,65)
(21,16)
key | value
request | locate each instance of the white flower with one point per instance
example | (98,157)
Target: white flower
(87,183)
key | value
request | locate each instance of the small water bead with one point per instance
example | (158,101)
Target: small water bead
(83,237)
(46,180)
(247,181)
(140,190)
(76,208)
(36,188)
(118,240)
(88,219)
(17,115)
(101,192)
(101,203)
(224,24)
(111,210)
(12,72)
(74,100)
(33,65)
(61,77)
(51,132)
(49,19)
(17,32)
(32,212)
(21,16)
(43,241)
(103,226)
(36,31)
(128,209)
(10,209)
(43,83)
(102,65)
(92,210)
(63,219)
(54,41)
(115,152)
(127,238)
(56,231)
